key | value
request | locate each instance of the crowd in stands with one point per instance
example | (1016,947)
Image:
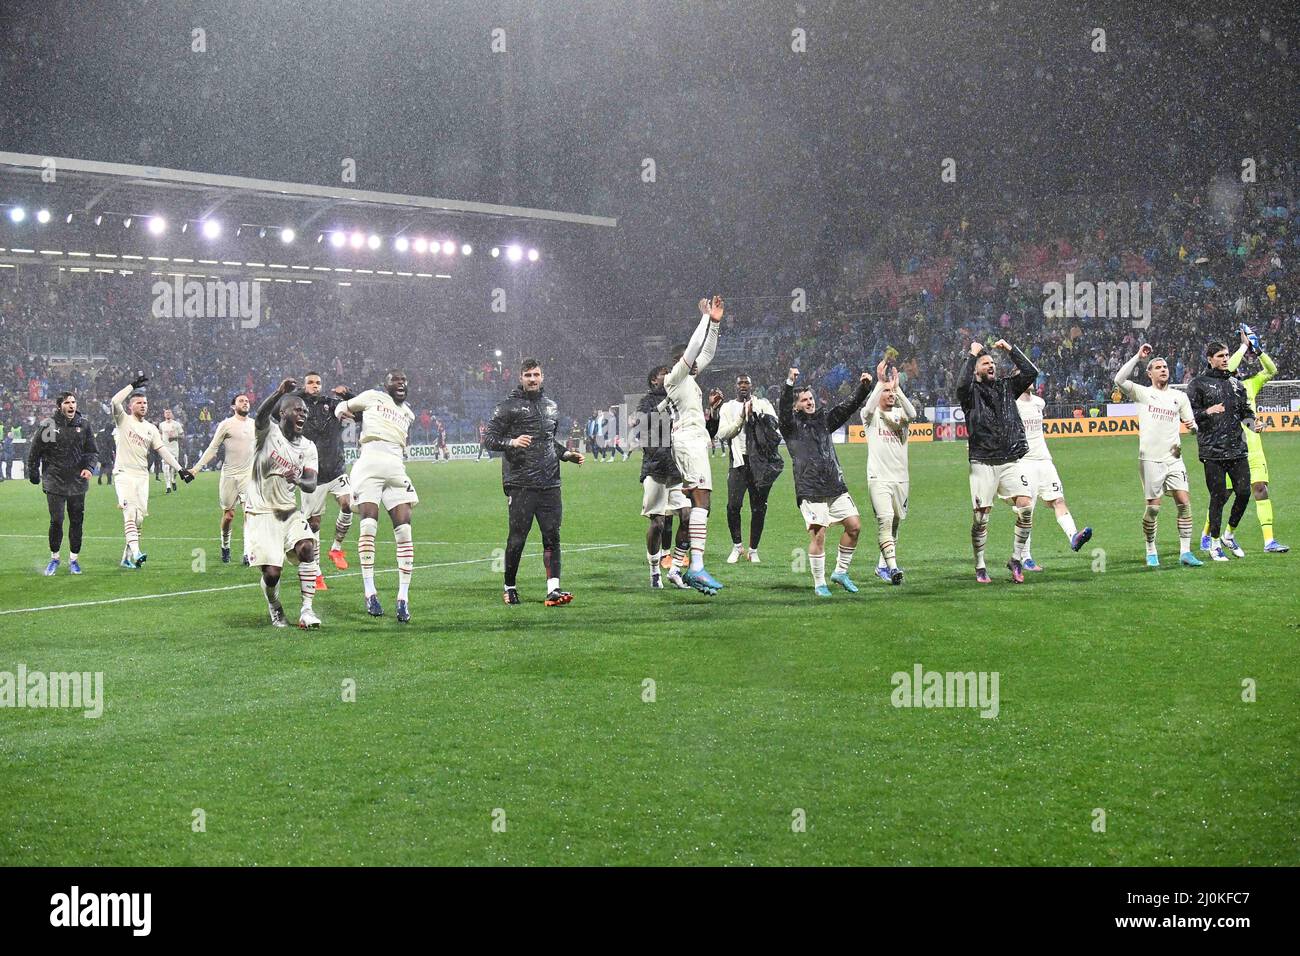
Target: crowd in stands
(1215,258)
(91,334)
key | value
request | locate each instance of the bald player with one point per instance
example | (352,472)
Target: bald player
(134,438)
(379,478)
(236,435)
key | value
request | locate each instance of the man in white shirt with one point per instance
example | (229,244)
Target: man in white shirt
(887,415)
(1044,482)
(751,470)
(237,434)
(133,438)
(379,478)
(1160,410)
(172,432)
(691,437)
(283,461)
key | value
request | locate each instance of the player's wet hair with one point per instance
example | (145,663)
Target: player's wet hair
(654,373)
(235,398)
(62,396)
(310,374)
(1214,348)
(528,363)
(138,393)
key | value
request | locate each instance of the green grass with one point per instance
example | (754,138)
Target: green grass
(1120,689)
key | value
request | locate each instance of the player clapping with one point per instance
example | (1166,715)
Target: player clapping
(886,416)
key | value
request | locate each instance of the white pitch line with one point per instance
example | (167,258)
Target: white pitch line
(236,587)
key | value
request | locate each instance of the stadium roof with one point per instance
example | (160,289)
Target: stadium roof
(90,187)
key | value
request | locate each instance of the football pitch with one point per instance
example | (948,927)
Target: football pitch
(663,727)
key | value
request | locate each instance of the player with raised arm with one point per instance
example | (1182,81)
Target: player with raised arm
(995,447)
(134,438)
(1160,409)
(886,416)
(1221,409)
(172,432)
(283,461)
(1044,482)
(1254,443)
(819,487)
(379,478)
(325,431)
(691,437)
(237,434)
(524,429)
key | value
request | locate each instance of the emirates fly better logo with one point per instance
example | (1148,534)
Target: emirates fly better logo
(212,299)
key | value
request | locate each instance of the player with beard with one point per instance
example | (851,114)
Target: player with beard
(237,435)
(326,433)
(819,487)
(282,461)
(134,438)
(61,460)
(995,447)
(523,429)
(379,478)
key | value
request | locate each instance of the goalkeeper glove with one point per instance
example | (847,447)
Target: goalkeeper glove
(34,477)
(186,475)
(139,380)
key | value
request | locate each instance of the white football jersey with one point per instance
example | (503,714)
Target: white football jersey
(886,444)
(383,420)
(1031,415)
(276,461)
(1159,412)
(171,431)
(133,437)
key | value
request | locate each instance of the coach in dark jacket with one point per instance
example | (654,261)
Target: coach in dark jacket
(62,459)
(995,433)
(1220,407)
(817,472)
(523,429)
